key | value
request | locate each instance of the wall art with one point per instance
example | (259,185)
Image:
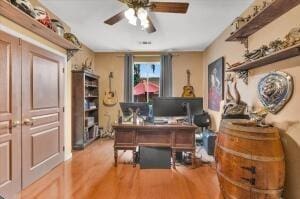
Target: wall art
(275,90)
(215,84)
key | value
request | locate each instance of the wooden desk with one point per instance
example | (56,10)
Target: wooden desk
(178,137)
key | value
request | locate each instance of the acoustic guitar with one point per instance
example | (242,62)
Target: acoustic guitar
(110,97)
(188,90)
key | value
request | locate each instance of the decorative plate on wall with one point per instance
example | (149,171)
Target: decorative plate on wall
(275,90)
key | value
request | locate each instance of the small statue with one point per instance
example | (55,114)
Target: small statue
(75,67)
(248,18)
(72,38)
(259,117)
(87,65)
(233,106)
(256,10)
(237,24)
(293,37)
(256,54)
(276,45)
(264,5)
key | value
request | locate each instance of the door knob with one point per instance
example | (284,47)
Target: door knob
(28,122)
(15,124)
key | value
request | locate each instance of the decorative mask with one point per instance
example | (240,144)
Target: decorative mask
(43,17)
(275,90)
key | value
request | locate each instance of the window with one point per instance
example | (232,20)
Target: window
(146,78)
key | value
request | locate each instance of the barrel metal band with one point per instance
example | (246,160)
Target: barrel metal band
(233,126)
(248,188)
(252,157)
(247,136)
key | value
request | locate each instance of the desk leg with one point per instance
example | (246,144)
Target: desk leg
(116,157)
(193,159)
(134,157)
(174,158)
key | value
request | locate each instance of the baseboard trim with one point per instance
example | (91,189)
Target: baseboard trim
(68,156)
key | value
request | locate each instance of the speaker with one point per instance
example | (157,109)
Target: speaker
(209,138)
(155,158)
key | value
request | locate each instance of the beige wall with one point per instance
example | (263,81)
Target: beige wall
(107,62)
(183,61)
(233,52)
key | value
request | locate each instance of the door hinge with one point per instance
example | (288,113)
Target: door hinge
(63,70)
(20,42)
(63,109)
(63,148)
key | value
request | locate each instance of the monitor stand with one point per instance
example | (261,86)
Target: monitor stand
(134,115)
(188,112)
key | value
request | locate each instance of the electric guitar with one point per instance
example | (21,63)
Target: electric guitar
(110,97)
(188,90)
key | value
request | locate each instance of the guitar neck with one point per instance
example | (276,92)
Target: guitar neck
(188,78)
(109,84)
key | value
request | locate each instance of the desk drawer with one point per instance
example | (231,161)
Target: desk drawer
(125,138)
(154,137)
(184,139)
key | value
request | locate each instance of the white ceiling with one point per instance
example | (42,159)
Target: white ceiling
(194,31)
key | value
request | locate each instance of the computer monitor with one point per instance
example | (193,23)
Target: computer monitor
(176,106)
(142,106)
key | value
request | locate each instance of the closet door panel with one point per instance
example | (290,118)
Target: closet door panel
(10,116)
(42,112)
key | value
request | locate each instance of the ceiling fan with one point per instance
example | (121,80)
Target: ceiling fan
(138,11)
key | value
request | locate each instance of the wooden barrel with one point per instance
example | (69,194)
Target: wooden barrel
(250,161)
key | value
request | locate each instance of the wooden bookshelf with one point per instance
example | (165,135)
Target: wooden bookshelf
(266,16)
(19,17)
(83,132)
(275,57)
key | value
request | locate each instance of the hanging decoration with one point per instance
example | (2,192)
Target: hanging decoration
(275,90)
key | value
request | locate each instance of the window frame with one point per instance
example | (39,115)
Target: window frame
(149,63)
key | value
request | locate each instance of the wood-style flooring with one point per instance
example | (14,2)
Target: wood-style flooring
(91,174)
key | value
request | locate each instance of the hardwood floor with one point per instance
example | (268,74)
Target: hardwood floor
(91,174)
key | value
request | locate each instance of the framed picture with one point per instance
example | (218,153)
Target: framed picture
(215,84)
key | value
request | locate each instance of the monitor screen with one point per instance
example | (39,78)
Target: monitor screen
(175,106)
(144,108)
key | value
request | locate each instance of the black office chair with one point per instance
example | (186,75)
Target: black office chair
(206,136)
(202,120)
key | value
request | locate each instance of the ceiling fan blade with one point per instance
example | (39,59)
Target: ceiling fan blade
(115,19)
(171,7)
(151,28)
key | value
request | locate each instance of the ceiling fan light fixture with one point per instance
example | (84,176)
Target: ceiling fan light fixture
(133,21)
(130,13)
(145,23)
(142,13)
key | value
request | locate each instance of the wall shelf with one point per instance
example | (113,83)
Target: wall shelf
(266,16)
(18,16)
(275,57)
